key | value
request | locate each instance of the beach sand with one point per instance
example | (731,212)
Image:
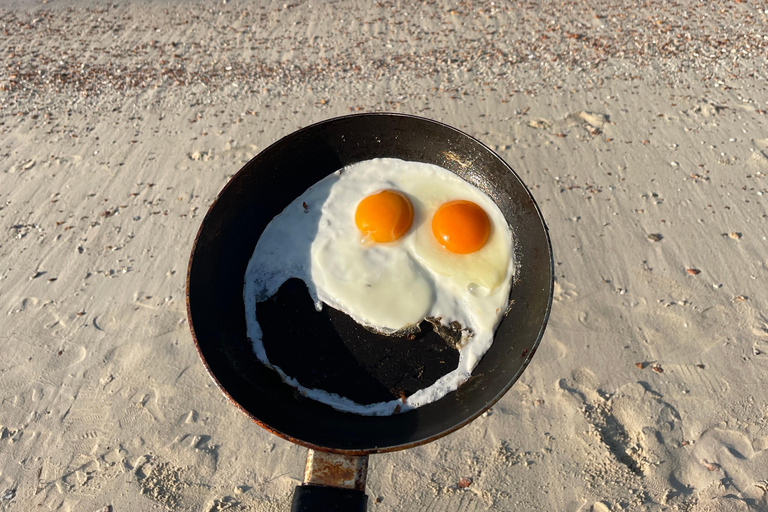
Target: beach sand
(641,131)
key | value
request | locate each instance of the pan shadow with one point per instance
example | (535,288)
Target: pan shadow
(328,350)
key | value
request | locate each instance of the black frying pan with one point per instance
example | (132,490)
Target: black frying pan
(327,349)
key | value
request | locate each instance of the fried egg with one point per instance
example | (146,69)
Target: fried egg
(390,243)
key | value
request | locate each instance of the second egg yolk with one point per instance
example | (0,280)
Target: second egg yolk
(384,216)
(461,227)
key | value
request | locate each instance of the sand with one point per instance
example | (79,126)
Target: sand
(641,131)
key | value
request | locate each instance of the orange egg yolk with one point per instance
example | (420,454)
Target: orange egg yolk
(461,227)
(384,216)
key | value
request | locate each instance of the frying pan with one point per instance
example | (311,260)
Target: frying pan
(327,349)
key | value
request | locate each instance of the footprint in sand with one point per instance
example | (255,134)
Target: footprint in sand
(639,433)
(196,450)
(722,504)
(596,319)
(190,417)
(148,400)
(729,455)
(592,118)
(539,124)
(564,291)
(26,303)
(161,481)
(201,155)
(69,356)
(593,122)
(705,109)
(760,330)
(758,160)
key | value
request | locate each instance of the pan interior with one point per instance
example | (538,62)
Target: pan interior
(328,348)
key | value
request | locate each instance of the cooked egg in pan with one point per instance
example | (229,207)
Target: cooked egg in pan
(390,243)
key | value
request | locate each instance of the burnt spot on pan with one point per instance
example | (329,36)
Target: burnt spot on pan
(328,350)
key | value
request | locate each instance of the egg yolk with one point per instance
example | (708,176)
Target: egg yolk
(461,227)
(384,216)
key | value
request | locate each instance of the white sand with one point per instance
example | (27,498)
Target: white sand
(120,123)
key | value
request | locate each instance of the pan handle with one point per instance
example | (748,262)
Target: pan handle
(332,483)
(318,498)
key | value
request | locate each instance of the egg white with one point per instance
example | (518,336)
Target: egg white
(387,287)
